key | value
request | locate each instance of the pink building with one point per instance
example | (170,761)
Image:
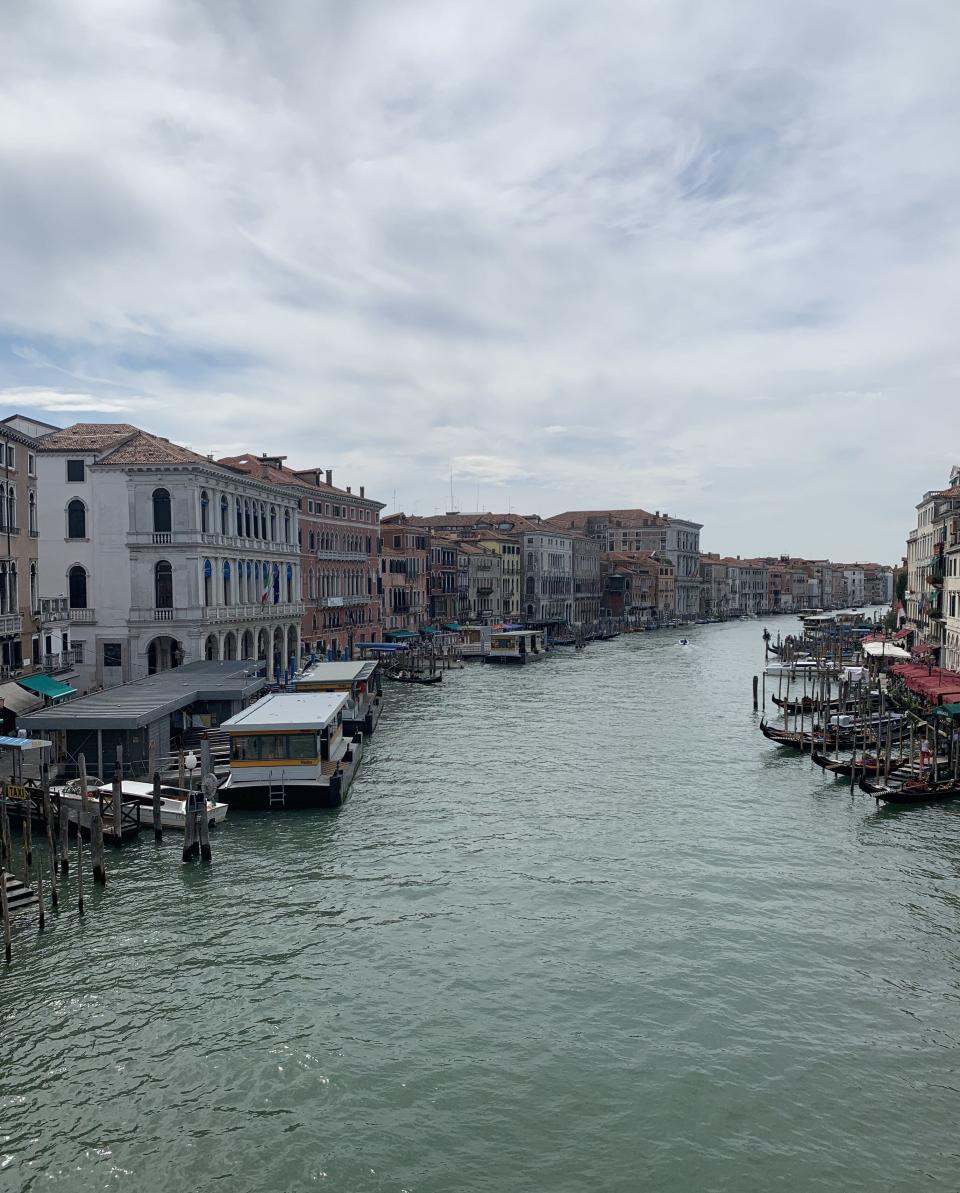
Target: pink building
(339,554)
(404,566)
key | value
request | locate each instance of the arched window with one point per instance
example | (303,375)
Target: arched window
(162,523)
(273,523)
(286,526)
(239,508)
(312,541)
(226,582)
(256,521)
(76,522)
(224,514)
(207,582)
(77,587)
(163,585)
(289,582)
(204,511)
(246,517)
(34,598)
(33,512)
(241,584)
(12,508)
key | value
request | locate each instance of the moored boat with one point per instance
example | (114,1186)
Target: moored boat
(516,646)
(172,801)
(868,765)
(917,791)
(288,751)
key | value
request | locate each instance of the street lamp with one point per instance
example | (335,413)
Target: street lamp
(190,762)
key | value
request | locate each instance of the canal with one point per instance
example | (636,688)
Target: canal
(580,927)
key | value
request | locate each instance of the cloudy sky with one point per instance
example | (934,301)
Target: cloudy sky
(697,257)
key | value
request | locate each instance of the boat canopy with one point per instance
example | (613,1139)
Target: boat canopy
(453,627)
(400,633)
(947,710)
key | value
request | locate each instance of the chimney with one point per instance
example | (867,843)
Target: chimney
(348,488)
(329,476)
(361,490)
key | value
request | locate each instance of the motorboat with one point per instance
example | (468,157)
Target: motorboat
(172,801)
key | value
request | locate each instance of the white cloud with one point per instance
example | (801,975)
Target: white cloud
(654,254)
(56,401)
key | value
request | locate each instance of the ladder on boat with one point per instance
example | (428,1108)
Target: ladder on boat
(276,795)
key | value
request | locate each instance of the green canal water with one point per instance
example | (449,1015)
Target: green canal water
(580,927)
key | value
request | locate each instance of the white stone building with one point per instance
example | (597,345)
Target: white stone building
(547,560)
(163,555)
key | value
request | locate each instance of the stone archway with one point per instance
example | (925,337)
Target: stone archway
(163,652)
(293,646)
(211,648)
(246,644)
(263,645)
(277,661)
(230,645)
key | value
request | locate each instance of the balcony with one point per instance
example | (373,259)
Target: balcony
(340,554)
(83,616)
(53,610)
(214,614)
(53,664)
(196,539)
(338,602)
(11,623)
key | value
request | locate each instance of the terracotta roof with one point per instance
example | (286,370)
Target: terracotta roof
(637,519)
(142,448)
(280,474)
(481,523)
(86,437)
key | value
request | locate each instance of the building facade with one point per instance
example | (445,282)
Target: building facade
(339,545)
(404,569)
(26,642)
(640,530)
(547,562)
(163,556)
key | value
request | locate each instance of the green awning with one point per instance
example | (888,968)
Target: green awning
(428,629)
(947,710)
(400,634)
(43,685)
(453,627)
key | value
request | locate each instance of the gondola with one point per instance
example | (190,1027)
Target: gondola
(917,791)
(807,704)
(864,766)
(403,677)
(804,741)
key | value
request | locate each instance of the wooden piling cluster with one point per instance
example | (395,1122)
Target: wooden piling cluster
(95,811)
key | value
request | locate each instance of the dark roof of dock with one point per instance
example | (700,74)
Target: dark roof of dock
(136,705)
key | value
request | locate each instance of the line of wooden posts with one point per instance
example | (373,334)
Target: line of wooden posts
(196,836)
